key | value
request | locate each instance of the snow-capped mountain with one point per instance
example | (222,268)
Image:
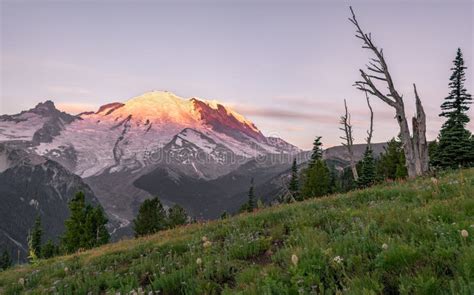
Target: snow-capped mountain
(193,139)
(129,135)
(40,124)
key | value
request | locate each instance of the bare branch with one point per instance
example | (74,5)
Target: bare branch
(376,77)
(349,140)
(383,68)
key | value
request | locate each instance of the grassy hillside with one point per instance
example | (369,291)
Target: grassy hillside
(393,238)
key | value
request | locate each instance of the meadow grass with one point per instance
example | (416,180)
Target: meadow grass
(394,238)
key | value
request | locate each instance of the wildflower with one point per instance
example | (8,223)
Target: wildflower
(384,246)
(204,239)
(434,180)
(294,259)
(472,225)
(207,244)
(338,259)
(199,261)
(464,233)
(66,269)
(21,281)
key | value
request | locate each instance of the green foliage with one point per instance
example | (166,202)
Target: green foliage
(251,203)
(151,218)
(317,177)
(95,232)
(391,164)
(455,147)
(367,170)
(85,227)
(317,180)
(5,260)
(395,238)
(293,186)
(345,181)
(72,238)
(176,216)
(35,237)
(49,250)
(317,153)
(225,215)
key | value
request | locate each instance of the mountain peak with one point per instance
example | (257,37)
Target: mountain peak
(165,107)
(44,107)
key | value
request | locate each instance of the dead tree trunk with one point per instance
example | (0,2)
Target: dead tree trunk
(419,135)
(415,148)
(371,126)
(349,139)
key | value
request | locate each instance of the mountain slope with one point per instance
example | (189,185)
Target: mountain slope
(392,238)
(31,186)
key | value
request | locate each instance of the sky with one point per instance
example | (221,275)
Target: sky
(286,65)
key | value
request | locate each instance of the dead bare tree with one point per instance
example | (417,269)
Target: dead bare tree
(345,121)
(415,148)
(371,126)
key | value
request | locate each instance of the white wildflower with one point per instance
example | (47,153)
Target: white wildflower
(21,281)
(199,261)
(204,239)
(294,259)
(464,233)
(207,244)
(384,246)
(338,259)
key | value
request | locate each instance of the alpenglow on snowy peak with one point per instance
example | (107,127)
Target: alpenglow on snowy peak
(126,136)
(162,108)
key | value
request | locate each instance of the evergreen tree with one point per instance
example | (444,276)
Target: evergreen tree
(5,260)
(73,237)
(391,164)
(317,153)
(251,204)
(293,187)
(85,227)
(455,141)
(36,234)
(49,250)
(151,218)
(367,173)
(333,185)
(177,216)
(225,215)
(95,230)
(346,180)
(317,178)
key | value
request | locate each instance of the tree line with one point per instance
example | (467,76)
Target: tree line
(453,148)
(86,228)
